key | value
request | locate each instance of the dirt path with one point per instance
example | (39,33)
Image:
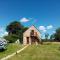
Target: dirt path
(9,56)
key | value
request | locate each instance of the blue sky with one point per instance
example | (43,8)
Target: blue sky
(44,14)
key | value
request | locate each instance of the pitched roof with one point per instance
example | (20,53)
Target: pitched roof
(31,26)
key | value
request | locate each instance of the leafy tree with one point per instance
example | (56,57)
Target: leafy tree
(25,28)
(11,38)
(52,37)
(15,30)
(57,34)
(46,36)
(14,27)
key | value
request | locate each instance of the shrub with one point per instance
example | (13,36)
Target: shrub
(11,38)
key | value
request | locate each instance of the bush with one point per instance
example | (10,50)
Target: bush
(11,38)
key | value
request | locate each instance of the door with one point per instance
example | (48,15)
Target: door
(27,40)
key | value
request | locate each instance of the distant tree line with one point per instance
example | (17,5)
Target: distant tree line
(54,37)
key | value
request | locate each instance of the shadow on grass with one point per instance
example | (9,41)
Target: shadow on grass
(2,50)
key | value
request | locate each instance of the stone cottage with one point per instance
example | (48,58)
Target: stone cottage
(31,36)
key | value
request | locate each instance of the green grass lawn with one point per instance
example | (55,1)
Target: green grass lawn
(47,51)
(11,48)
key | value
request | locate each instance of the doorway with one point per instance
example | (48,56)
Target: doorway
(27,40)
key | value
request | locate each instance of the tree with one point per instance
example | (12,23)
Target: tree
(57,35)
(25,28)
(11,38)
(46,36)
(15,31)
(14,27)
(52,37)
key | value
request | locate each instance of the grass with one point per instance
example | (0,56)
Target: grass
(47,51)
(11,48)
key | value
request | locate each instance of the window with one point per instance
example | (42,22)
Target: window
(32,32)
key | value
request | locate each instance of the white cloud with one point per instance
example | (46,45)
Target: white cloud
(1,29)
(24,20)
(42,28)
(49,27)
(3,32)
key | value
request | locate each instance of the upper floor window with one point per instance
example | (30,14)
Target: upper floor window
(32,32)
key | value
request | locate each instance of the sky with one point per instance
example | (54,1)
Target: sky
(44,14)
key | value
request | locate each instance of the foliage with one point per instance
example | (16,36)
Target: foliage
(14,27)
(57,34)
(15,30)
(52,38)
(46,36)
(25,28)
(11,38)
